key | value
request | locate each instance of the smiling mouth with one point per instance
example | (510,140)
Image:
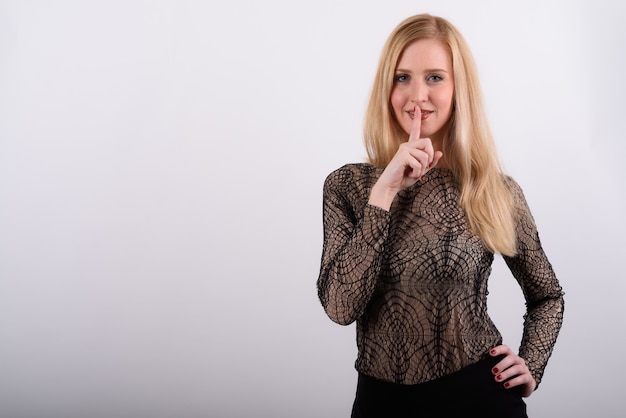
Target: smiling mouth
(425,114)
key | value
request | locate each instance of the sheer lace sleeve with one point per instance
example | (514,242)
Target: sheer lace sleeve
(354,237)
(543,294)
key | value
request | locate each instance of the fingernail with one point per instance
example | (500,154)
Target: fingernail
(507,384)
(495,370)
(499,377)
(493,352)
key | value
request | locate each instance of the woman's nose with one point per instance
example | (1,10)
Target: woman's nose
(419,93)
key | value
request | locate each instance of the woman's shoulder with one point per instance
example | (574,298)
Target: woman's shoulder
(352,173)
(517,194)
(514,186)
(352,181)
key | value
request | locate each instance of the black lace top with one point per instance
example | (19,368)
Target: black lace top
(415,278)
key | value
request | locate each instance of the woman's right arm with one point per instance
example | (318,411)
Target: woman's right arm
(352,251)
(354,238)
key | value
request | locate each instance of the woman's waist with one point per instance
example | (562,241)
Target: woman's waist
(417,360)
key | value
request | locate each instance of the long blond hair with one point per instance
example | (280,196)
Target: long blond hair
(468,147)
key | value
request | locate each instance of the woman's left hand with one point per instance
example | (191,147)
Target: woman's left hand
(512,367)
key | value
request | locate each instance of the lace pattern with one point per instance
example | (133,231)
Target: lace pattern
(415,278)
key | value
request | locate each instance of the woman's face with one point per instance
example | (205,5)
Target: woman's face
(424,78)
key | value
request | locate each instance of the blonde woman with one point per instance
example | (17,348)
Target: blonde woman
(410,237)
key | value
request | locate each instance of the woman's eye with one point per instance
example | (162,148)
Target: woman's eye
(401,78)
(434,78)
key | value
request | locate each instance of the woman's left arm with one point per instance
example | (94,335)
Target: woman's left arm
(541,289)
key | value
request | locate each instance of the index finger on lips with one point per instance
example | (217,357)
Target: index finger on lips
(416,127)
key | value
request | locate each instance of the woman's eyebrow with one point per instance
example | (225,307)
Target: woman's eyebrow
(427,70)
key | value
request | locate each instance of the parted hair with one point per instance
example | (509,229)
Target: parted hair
(468,146)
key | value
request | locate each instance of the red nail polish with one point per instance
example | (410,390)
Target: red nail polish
(499,377)
(495,370)
(507,384)
(493,352)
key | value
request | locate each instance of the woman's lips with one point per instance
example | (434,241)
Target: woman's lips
(425,114)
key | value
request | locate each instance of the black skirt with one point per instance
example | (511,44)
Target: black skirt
(472,391)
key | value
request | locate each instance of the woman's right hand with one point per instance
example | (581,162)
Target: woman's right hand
(412,160)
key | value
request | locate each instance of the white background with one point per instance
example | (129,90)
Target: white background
(161,168)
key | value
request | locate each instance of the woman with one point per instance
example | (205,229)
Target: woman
(410,237)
